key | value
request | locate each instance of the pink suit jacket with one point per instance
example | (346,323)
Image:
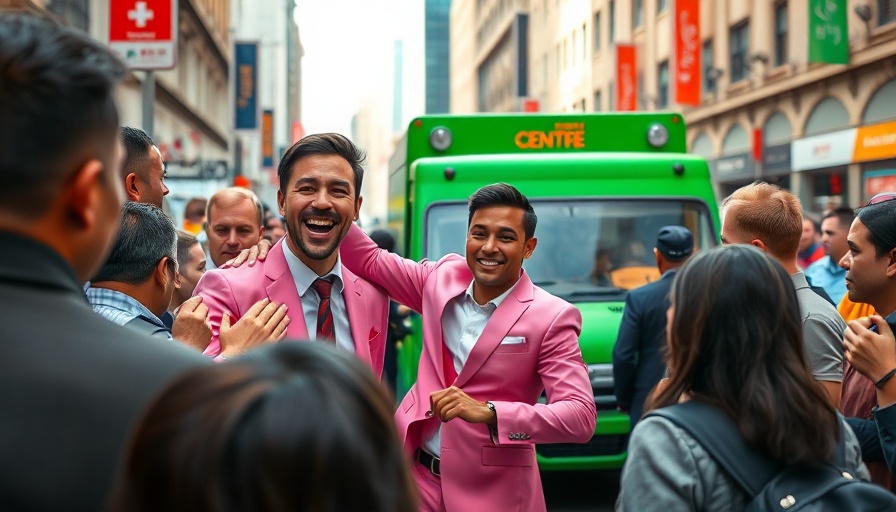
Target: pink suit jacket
(476,473)
(235,290)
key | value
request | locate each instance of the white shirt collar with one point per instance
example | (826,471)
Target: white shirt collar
(496,301)
(304,276)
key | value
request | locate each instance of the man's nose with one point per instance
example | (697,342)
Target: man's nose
(322,200)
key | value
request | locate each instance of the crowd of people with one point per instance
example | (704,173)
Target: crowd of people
(114,320)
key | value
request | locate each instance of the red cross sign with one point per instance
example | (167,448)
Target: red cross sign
(144,32)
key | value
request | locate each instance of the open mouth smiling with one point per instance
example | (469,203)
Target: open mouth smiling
(320,226)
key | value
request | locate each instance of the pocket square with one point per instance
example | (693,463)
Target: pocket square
(513,340)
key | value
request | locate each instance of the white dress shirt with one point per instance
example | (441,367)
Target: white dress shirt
(303,277)
(462,323)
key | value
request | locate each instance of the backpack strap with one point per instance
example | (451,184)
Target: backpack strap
(719,436)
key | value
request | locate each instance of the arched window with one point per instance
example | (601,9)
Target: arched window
(828,115)
(882,105)
(736,141)
(777,130)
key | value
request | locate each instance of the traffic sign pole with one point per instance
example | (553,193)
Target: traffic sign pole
(149,98)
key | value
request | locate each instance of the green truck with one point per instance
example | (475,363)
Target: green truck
(602,186)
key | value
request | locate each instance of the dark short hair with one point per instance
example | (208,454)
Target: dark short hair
(502,194)
(289,426)
(880,219)
(145,236)
(383,239)
(136,144)
(57,108)
(322,144)
(844,215)
(185,242)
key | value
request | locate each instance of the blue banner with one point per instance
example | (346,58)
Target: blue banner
(246,86)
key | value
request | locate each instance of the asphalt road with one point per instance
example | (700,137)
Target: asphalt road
(580,491)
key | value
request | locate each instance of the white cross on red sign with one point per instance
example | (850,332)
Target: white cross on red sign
(144,32)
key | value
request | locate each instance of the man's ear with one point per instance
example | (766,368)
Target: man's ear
(358,207)
(83,194)
(529,247)
(161,271)
(130,187)
(759,244)
(891,267)
(281,199)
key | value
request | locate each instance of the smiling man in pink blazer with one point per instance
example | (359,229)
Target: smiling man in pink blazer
(492,342)
(319,196)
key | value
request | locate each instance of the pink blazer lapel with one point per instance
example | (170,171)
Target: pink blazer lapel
(361,325)
(282,290)
(503,319)
(455,284)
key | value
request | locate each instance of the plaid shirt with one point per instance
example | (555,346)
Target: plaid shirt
(119,307)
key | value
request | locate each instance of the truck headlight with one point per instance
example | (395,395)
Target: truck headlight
(657,135)
(440,138)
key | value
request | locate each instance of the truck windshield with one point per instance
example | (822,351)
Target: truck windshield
(587,248)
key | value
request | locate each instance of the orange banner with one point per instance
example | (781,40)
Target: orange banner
(626,78)
(687,52)
(875,142)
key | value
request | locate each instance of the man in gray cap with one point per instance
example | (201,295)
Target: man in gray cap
(637,361)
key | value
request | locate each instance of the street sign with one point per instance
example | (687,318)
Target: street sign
(144,32)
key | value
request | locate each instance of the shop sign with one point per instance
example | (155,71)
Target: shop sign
(734,167)
(879,181)
(826,150)
(776,160)
(875,142)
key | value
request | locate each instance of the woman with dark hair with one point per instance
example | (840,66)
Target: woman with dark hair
(735,343)
(289,427)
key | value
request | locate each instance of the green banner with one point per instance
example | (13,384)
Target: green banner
(828,32)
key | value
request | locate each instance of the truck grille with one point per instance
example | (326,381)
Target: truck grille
(601,376)
(598,446)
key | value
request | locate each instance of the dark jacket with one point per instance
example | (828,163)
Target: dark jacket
(637,359)
(72,384)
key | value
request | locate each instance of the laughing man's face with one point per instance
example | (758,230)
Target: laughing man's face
(319,206)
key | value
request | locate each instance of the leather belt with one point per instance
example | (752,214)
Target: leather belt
(430,462)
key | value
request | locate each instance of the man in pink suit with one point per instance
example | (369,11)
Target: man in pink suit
(492,342)
(319,196)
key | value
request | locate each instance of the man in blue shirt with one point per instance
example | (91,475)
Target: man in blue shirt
(826,272)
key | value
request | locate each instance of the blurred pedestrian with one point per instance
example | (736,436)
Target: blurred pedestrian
(194,215)
(811,249)
(734,343)
(771,219)
(143,170)
(295,426)
(72,382)
(637,355)
(826,272)
(397,315)
(320,197)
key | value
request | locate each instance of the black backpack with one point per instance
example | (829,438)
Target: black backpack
(769,485)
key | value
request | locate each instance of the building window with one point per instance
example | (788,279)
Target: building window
(739,43)
(597,32)
(611,97)
(780,33)
(661,5)
(598,101)
(612,20)
(637,13)
(886,12)
(575,46)
(709,83)
(584,42)
(662,89)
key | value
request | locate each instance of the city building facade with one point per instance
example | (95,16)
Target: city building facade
(825,131)
(438,49)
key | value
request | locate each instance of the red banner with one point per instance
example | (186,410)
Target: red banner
(626,78)
(687,52)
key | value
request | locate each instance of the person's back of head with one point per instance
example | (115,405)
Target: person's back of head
(768,213)
(58,137)
(291,426)
(674,244)
(383,239)
(143,257)
(194,214)
(735,341)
